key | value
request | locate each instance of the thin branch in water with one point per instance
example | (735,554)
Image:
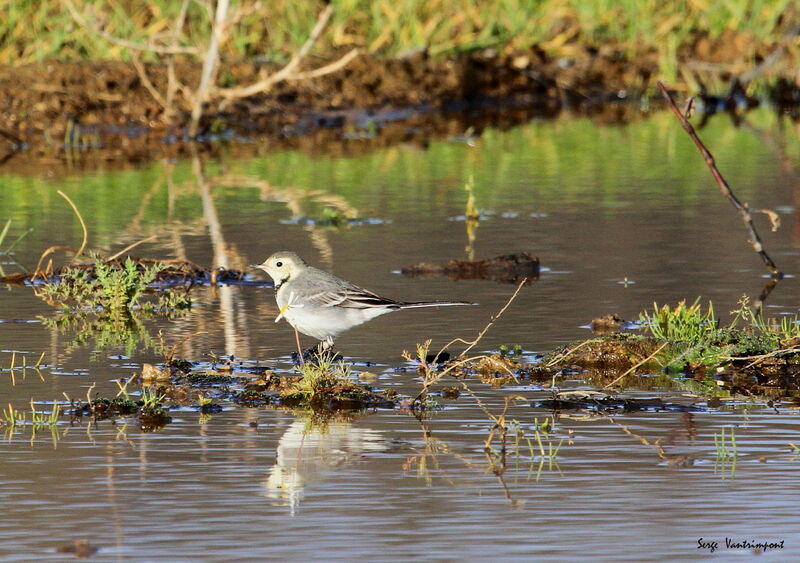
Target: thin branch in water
(743,209)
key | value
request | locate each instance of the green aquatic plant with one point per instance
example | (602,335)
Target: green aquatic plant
(682,323)
(13,417)
(151,398)
(109,300)
(113,287)
(726,452)
(696,337)
(322,374)
(40,418)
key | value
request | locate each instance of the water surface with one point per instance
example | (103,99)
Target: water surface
(619,216)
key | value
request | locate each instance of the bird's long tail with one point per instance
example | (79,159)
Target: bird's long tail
(419,304)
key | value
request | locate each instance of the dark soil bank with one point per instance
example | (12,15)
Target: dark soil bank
(106,110)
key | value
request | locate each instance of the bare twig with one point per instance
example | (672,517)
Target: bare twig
(327,69)
(471,344)
(131,246)
(633,368)
(172,79)
(287,71)
(146,82)
(210,65)
(743,209)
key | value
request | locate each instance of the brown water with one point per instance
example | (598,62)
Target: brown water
(620,217)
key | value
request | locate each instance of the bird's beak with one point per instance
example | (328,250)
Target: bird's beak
(260,266)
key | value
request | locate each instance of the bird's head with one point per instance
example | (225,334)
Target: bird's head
(282,266)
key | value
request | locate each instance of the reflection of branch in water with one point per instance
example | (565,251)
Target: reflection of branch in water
(308,450)
(672,460)
(233,333)
(429,458)
(496,459)
(758,305)
(294,199)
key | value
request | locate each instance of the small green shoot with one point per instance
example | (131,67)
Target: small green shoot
(683,323)
(150,399)
(726,452)
(13,417)
(40,418)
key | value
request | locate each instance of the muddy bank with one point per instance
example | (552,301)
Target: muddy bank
(95,113)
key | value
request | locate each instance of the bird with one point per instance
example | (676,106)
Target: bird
(322,306)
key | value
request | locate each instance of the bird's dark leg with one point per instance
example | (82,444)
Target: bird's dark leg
(320,349)
(300,357)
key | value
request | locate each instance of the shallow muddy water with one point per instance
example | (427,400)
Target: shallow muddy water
(620,217)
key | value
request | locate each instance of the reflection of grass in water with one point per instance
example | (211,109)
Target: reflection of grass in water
(16,419)
(725,446)
(7,251)
(109,304)
(546,450)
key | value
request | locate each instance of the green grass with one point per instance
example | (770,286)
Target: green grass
(696,337)
(32,31)
(109,302)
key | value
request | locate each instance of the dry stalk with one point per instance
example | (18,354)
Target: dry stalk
(210,65)
(742,208)
(286,71)
(429,378)
(472,343)
(130,247)
(83,225)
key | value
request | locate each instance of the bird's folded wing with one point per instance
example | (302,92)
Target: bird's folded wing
(351,298)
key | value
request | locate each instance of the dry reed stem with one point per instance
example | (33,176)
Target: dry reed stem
(130,247)
(210,65)
(46,253)
(83,225)
(743,209)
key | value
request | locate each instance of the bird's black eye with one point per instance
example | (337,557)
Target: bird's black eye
(279,264)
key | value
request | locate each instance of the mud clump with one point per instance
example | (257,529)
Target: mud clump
(510,268)
(619,352)
(104,111)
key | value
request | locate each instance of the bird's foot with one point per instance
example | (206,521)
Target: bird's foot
(316,354)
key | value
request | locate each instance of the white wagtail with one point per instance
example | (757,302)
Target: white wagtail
(323,306)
